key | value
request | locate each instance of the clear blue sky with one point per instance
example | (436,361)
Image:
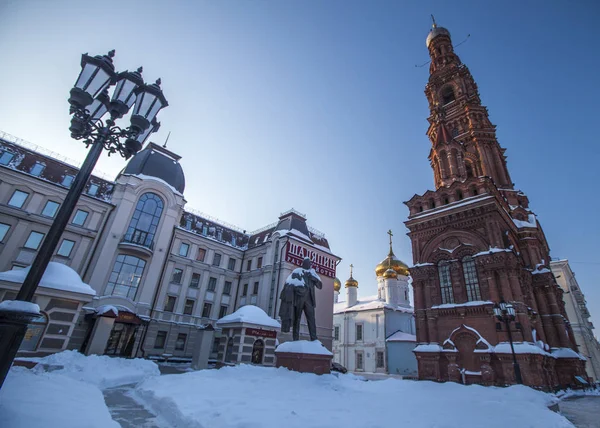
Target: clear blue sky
(318,105)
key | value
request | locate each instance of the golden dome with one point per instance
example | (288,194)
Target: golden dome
(390,273)
(337,284)
(391,262)
(351,282)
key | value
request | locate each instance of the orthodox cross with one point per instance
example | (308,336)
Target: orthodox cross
(351,266)
(433,19)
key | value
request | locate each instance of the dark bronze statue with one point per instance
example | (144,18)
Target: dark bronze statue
(298,296)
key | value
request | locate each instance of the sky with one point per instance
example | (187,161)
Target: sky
(319,106)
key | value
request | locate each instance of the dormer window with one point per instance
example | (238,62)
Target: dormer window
(37,169)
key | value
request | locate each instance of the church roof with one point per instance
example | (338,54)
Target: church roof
(368,304)
(401,336)
(156,161)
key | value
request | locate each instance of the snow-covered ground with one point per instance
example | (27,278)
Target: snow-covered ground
(69,393)
(261,397)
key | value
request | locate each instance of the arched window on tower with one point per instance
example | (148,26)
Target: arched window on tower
(447,95)
(469,167)
(471,281)
(431,204)
(445,282)
(144,221)
(459,194)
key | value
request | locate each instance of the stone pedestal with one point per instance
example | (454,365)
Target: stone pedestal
(202,348)
(304,356)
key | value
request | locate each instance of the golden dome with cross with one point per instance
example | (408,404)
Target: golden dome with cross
(391,262)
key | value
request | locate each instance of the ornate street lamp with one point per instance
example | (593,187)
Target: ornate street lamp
(90,103)
(506,312)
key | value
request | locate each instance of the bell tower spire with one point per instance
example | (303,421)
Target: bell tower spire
(463,139)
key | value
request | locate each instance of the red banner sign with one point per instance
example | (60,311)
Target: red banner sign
(295,253)
(259,332)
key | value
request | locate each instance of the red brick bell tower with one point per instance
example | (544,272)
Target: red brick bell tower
(475,243)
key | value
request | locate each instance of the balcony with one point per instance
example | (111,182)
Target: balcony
(138,241)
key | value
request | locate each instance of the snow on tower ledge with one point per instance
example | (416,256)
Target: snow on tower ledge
(250,314)
(57,276)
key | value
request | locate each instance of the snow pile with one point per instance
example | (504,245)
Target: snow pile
(57,276)
(304,347)
(30,400)
(19,306)
(253,396)
(250,314)
(458,305)
(99,370)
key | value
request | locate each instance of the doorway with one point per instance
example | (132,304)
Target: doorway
(121,340)
(257,352)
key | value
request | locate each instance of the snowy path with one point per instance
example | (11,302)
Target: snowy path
(128,412)
(583,412)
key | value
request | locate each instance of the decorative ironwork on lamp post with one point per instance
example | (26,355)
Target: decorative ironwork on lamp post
(90,103)
(506,312)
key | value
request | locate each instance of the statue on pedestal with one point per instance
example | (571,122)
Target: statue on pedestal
(297,297)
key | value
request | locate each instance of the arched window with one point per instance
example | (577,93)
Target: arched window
(144,222)
(471,281)
(459,194)
(125,277)
(474,191)
(445,282)
(257,352)
(448,95)
(431,204)
(469,168)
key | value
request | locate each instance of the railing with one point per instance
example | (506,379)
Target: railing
(139,237)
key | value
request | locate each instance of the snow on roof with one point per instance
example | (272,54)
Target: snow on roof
(400,336)
(19,306)
(530,222)
(367,304)
(493,250)
(458,305)
(250,314)
(428,347)
(566,353)
(57,276)
(465,201)
(304,347)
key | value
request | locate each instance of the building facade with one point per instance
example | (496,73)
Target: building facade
(376,334)
(160,271)
(476,242)
(578,314)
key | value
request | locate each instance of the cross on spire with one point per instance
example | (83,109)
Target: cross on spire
(389,232)
(351,267)
(433,19)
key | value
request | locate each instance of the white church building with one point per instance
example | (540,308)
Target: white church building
(376,334)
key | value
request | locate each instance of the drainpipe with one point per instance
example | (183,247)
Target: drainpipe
(156,293)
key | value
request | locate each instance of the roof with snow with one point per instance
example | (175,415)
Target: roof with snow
(57,276)
(400,336)
(249,314)
(368,304)
(157,161)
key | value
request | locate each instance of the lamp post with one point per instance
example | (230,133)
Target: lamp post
(90,102)
(506,312)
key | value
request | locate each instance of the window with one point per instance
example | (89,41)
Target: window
(359,332)
(195,282)
(222,311)
(180,343)
(445,283)
(201,254)
(34,240)
(245,290)
(215,347)
(65,248)
(4,228)
(469,168)
(6,157)
(255,290)
(231,265)
(184,249)
(161,338)
(206,310)
(37,169)
(359,361)
(217,260)
(67,180)
(144,221)
(50,209)
(431,204)
(227,288)
(170,303)
(471,281)
(92,190)
(125,277)
(212,284)
(379,359)
(447,95)
(189,307)
(259,263)
(177,276)
(336,332)
(18,199)
(249,265)
(459,195)
(80,217)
